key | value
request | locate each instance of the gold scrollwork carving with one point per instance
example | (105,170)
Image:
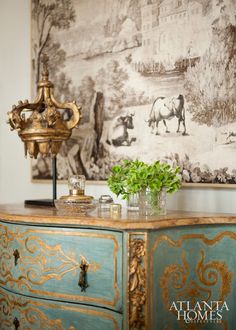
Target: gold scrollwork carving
(176,283)
(41,262)
(32,314)
(137,283)
(211,273)
(176,276)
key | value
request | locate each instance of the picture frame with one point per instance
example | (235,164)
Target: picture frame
(155,81)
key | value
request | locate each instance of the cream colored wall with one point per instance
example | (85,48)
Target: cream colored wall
(15,182)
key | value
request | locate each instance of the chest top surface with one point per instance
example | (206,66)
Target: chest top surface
(18,213)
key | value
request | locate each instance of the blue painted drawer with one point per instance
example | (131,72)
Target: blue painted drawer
(36,314)
(50,259)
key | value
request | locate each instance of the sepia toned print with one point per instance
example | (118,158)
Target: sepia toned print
(155,79)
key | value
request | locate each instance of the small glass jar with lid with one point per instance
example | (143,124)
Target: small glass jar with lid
(105,202)
(76,184)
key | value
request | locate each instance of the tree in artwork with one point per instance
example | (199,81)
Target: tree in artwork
(49,16)
(211,83)
(111,82)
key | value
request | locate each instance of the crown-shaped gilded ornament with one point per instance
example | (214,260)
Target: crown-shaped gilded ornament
(40,124)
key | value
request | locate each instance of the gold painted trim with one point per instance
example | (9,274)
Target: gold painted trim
(13,302)
(137,311)
(177,244)
(24,280)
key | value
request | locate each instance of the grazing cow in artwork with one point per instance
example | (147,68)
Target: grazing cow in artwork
(167,108)
(118,133)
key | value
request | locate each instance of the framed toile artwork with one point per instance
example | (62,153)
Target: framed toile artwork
(155,79)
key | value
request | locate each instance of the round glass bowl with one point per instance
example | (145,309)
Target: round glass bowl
(75,207)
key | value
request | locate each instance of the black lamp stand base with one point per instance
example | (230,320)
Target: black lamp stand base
(39,202)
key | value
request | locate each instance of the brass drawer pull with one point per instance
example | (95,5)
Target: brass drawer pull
(83,283)
(16,323)
(16,255)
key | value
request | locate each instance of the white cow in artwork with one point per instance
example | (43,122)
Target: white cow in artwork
(165,108)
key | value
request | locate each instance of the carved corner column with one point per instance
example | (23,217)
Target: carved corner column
(137,281)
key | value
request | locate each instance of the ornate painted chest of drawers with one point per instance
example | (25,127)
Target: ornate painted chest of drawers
(64,272)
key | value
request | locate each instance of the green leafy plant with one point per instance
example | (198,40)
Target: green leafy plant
(132,177)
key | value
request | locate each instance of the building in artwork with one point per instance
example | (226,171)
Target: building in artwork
(149,18)
(173,30)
